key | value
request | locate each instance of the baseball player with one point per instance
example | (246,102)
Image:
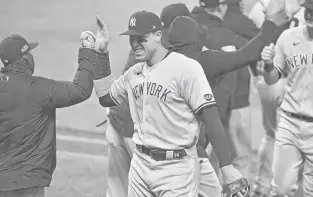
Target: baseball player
(168,95)
(292,57)
(184,43)
(271,97)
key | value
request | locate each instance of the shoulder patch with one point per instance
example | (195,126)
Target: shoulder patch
(208,97)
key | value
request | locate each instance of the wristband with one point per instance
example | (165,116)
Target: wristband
(102,86)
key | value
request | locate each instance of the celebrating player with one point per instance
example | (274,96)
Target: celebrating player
(292,58)
(167,93)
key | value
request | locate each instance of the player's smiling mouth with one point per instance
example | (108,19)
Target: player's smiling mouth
(138,50)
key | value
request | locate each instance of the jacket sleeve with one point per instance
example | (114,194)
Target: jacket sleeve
(215,63)
(68,93)
(243,26)
(237,40)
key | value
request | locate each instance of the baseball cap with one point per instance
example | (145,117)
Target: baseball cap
(14,47)
(143,22)
(308,4)
(170,12)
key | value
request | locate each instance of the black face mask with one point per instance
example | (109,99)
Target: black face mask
(25,65)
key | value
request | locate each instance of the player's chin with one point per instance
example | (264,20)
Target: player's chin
(141,56)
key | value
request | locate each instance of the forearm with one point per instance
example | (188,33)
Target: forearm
(216,135)
(103,80)
(216,63)
(106,101)
(65,93)
(271,74)
(250,52)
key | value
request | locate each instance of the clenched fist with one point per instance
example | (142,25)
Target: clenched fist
(268,54)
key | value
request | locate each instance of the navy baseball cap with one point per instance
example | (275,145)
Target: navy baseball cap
(143,22)
(308,4)
(170,12)
(14,47)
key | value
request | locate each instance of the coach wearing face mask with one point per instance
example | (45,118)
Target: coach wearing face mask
(28,112)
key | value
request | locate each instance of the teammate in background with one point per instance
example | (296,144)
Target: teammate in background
(270,97)
(158,104)
(28,112)
(240,120)
(231,90)
(292,58)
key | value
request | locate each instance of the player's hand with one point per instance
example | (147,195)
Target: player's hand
(239,188)
(275,12)
(87,40)
(102,36)
(230,174)
(268,54)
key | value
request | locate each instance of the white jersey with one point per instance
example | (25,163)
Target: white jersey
(163,101)
(294,59)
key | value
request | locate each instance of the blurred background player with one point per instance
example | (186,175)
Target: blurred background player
(211,14)
(292,58)
(270,97)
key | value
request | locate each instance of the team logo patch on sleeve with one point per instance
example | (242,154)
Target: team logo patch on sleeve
(208,97)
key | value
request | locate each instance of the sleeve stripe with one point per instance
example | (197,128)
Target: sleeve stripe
(279,70)
(112,97)
(207,104)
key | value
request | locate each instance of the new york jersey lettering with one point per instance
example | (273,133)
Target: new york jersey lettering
(151,89)
(298,60)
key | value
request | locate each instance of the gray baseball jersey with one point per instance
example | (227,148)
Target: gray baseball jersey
(294,59)
(163,101)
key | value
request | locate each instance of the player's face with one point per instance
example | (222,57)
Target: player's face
(144,46)
(308,16)
(292,6)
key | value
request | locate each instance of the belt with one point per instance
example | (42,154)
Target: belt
(162,155)
(297,116)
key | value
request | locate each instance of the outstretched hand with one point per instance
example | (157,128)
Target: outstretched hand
(102,36)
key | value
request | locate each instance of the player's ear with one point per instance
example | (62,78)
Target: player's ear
(158,36)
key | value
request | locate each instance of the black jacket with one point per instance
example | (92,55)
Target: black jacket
(28,124)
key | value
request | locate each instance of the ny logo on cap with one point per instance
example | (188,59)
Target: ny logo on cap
(25,47)
(132,22)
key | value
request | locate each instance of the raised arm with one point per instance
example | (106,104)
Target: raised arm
(275,61)
(110,92)
(216,63)
(67,93)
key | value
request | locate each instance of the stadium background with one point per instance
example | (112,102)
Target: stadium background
(57,26)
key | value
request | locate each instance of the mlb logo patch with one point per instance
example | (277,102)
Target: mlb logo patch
(208,97)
